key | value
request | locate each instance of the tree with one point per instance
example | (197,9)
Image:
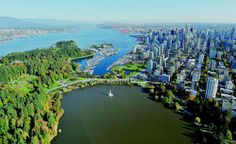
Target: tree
(228,138)
(151,91)
(51,119)
(170,94)
(197,120)
(162,88)
(168,101)
(232,127)
(35,140)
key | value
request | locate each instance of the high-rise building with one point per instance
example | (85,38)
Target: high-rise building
(148,40)
(198,43)
(212,65)
(201,59)
(212,53)
(211,87)
(156,52)
(134,49)
(196,76)
(219,54)
(158,71)
(161,49)
(151,55)
(150,66)
(233,36)
(186,29)
(204,46)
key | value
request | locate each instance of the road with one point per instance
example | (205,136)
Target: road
(132,80)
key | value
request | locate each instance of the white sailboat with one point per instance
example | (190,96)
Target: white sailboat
(110,94)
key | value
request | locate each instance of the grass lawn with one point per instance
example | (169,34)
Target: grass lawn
(81,78)
(132,68)
(23,85)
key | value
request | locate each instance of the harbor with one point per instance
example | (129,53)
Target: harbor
(102,51)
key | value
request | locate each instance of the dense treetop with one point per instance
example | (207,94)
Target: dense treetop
(28,114)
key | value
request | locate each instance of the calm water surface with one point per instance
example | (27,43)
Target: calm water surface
(91,117)
(84,38)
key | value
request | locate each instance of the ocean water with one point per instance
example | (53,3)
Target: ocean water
(84,38)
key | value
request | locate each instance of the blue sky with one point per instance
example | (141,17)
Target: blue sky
(142,11)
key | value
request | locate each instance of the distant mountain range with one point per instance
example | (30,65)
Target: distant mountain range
(9,22)
(115,24)
(109,24)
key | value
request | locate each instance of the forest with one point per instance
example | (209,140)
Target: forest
(28,113)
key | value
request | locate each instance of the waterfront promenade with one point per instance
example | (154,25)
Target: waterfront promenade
(131,80)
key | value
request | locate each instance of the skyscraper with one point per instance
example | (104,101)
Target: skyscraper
(198,43)
(211,87)
(212,65)
(150,66)
(233,35)
(186,29)
(201,59)
(212,53)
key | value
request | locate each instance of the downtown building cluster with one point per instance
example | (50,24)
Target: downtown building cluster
(200,61)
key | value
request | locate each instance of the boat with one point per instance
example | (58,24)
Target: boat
(110,94)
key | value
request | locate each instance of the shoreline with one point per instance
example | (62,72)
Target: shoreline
(82,57)
(81,85)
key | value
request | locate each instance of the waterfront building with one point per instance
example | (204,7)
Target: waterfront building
(145,55)
(134,49)
(211,87)
(158,71)
(142,76)
(180,81)
(150,66)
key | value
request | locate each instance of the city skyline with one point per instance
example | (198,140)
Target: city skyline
(149,11)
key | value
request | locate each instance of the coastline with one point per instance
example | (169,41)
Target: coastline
(82,57)
(55,128)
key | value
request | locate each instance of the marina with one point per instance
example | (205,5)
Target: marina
(122,61)
(102,51)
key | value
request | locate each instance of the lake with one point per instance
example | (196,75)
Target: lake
(91,117)
(84,38)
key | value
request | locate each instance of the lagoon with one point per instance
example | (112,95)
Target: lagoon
(130,117)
